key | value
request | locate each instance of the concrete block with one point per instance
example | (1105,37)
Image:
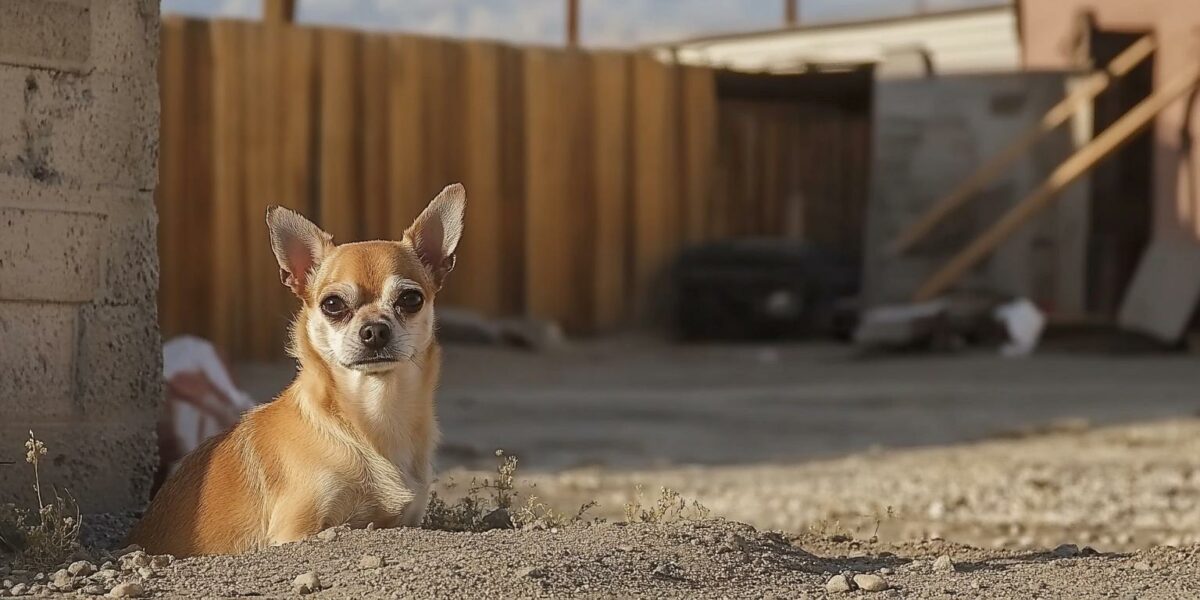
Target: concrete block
(100,129)
(37,359)
(106,466)
(125,37)
(55,34)
(50,255)
(131,258)
(119,362)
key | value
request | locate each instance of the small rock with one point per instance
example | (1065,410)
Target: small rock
(1141,566)
(19,589)
(532,572)
(837,584)
(943,563)
(1066,551)
(105,574)
(307,583)
(147,573)
(328,535)
(667,571)
(161,561)
(371,526)
(129,589)
(870,583)
(498,519)
(127,550)
(134,561)
(62,581)
(81,568)
(108,564)
(1088,551)
(886,571)
(94,590)
(370,561)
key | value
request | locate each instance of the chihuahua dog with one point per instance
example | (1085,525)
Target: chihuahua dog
(351,440)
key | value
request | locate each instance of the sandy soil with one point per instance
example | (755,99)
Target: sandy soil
(712,559)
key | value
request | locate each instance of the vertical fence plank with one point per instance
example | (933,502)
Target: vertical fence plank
(479,275)
(611,72)
(406,161)
(196,268)
(699,139)
(228,290)
(340,202)
(172,222)
(262,187)
(512,169)
(655,175)
(372,83)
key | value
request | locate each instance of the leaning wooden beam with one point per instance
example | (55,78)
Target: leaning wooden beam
(1117,135)
(1088,89)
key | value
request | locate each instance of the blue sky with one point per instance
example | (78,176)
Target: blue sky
(605,22)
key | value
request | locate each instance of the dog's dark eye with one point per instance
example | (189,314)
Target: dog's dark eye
(410,301)
(333,306)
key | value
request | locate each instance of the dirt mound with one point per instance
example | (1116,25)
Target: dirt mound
(707,559)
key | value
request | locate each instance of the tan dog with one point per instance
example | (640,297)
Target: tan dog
(351,440)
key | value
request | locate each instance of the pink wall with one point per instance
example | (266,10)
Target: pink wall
(1047,28)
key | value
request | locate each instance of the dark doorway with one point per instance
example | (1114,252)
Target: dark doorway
(1122,185)
(797,147)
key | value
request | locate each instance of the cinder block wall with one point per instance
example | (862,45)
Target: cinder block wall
(80,353)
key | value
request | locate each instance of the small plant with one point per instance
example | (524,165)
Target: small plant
(50,537)
(477,511)
(668,508)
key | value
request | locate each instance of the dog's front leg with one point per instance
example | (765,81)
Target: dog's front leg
(293,520)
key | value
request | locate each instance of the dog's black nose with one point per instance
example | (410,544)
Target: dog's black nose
(375,335)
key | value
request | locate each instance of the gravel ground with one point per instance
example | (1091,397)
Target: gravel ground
(710,559)
(1116,488)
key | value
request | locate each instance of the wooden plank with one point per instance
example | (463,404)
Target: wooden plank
(298,174)
(373,125)
(172,222)
(611,235)
(512,171)
(1117,135)
(406,160)
(479,275)
(699,107)
(655,176)
(550,241)
(340,203)
(1019,146)
(262,137)
(228,292)
(197,197)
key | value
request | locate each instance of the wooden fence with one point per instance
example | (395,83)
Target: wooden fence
(586,172)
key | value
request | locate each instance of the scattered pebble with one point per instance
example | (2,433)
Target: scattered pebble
(19,589)
(162,561)
(307,583)
(129,589)
(667,571)
(105,574)
(885,571)
(328,535)
(1141,566)
(62,581)
(944,564)
(147,573)
(1066,551)
(370,561)
(94,589)
(870,583)
(532,572)
(837,584)
(498,519)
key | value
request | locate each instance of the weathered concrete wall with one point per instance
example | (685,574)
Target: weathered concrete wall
(930,134)
(80,353)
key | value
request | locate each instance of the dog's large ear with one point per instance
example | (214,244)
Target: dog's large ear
(435,234)
(299,246)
